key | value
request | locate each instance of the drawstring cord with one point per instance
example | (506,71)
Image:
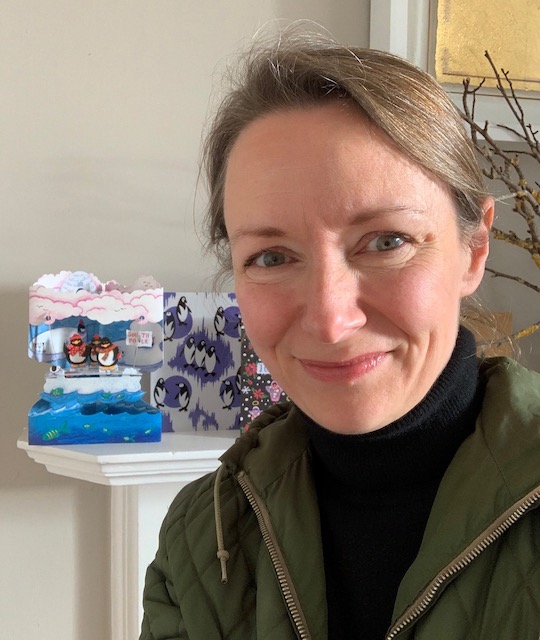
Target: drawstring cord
(222,553)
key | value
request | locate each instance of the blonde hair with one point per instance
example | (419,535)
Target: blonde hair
(399,98)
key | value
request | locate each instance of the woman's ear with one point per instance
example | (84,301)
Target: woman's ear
(479,249)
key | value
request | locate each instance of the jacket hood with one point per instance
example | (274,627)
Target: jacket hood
(237,456)
(512,401)
(245,453)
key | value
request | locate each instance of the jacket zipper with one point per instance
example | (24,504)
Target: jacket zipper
(263,519)
(489,536)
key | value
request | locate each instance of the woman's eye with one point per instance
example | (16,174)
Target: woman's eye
(385,242)
(269,259)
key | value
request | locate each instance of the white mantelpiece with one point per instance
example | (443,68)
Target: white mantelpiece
(144,479)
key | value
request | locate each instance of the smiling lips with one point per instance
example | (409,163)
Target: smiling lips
(343,371)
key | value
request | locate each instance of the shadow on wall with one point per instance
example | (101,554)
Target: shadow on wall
(57,531)
(21,380)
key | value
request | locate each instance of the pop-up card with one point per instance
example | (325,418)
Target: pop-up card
(98,339)
(198,387)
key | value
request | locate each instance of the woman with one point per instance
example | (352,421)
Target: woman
(396,496)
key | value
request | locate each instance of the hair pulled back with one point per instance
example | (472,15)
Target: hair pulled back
(402,100)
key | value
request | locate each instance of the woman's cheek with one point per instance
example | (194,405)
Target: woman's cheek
(423,301)
(266,314)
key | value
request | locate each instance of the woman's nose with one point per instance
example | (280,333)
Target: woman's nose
(333,308)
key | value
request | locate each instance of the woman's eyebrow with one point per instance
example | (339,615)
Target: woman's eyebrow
(366,215)
(369,213)
(257,232)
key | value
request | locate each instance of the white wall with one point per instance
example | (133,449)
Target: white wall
(100,121)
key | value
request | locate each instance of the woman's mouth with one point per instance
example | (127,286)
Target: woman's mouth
(343,370)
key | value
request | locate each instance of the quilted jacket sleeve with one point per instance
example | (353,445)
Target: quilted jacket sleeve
(162,616)
(164,583)
(174,594)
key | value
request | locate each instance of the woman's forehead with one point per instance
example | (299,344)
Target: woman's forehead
(324,153)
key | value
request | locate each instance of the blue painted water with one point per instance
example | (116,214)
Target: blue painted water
(100,417)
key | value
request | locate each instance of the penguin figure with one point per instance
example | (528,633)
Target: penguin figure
(210,361)
(159,393)
(227,394)
(81,330)
(76,351)
(237,328)
(108,355)
(169,325)
(93,355)
(238,380)
(183,396)
(200,355)
(220,321)
(189,351)
(182,310)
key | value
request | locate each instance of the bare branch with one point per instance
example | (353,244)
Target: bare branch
(504,166)
(514,337)
(526,283)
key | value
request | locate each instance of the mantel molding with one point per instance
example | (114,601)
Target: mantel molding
(178,458)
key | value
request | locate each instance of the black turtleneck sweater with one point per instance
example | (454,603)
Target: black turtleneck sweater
(376,491)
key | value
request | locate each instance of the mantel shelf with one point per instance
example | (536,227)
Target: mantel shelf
(179,457)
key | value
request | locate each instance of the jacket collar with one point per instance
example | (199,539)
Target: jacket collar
(278,466)
(278,446)
(495,468)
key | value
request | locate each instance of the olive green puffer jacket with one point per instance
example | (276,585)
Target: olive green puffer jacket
(476,576)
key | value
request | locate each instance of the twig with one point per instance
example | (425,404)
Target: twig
(525,283)
(514,337)
(504,166)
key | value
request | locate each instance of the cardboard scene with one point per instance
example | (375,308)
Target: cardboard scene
(98,338)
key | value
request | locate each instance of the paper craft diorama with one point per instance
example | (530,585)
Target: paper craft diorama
(98,339)
(199,388)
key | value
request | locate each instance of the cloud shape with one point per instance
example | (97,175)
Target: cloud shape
(46,310)
(48,305)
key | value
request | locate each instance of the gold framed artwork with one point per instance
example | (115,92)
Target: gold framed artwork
(508,29)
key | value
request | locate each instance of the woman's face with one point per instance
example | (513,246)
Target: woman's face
(348,263)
